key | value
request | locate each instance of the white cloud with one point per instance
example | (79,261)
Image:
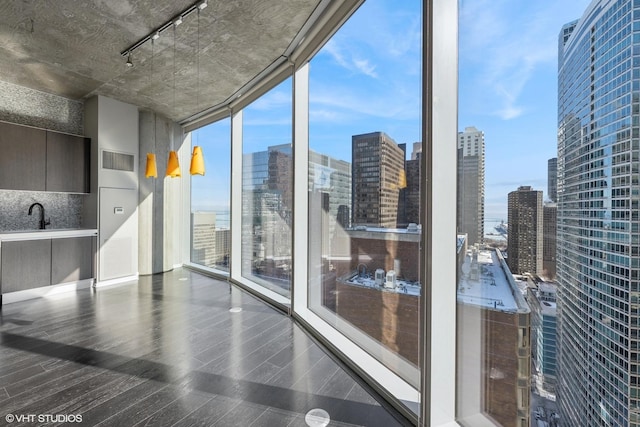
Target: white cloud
(276,98)
(503,44)
(348,60)
(365,67)
(509,112)
(337,102)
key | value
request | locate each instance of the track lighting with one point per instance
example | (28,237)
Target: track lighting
(129,63)
(155,34)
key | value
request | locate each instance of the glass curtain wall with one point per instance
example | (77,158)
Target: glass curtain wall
(267,185)
(364,182)
(210,198)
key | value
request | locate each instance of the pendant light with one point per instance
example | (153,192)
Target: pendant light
(197,160)
(151,170)
(173,166)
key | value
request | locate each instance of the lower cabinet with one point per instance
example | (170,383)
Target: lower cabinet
(28,264)
(71,259)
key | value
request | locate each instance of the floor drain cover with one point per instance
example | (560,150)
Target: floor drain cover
(183,279)
(235,309)
(317,418)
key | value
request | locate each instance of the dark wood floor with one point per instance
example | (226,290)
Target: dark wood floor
(166,351)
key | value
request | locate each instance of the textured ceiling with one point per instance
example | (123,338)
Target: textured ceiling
(72,48)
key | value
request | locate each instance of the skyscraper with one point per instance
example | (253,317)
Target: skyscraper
(470,209)
(524,241)
(598,255)
(412,192)
(542,300)
(377,176)
(266,213)
(549,246)
(552,179)
(210,244)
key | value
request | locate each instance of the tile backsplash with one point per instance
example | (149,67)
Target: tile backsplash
(62,209)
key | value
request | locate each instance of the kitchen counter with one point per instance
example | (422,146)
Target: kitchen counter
(36,263)
(60,233)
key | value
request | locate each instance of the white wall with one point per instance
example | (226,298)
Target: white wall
(113,126)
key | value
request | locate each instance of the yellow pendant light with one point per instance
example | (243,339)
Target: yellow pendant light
(151,171)
(173,167)
(197,161)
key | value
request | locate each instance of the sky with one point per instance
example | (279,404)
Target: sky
(508,59)
(367,78)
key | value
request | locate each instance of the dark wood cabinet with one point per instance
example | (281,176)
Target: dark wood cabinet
(29,264)
(25,264)
(23,158)
(67,163)
(71,259)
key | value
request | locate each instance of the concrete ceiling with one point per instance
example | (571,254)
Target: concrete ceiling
(72,48)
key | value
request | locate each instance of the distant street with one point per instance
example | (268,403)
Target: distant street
(541,399)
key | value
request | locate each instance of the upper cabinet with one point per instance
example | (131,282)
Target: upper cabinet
(67,163)
(38,160)
(23,159)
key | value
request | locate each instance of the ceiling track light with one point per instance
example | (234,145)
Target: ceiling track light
(155,34)
(129,63)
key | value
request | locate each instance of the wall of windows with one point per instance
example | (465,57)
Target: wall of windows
(331,197)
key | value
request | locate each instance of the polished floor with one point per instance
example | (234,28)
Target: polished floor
(175,349)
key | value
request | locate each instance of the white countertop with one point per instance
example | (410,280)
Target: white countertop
(6,236)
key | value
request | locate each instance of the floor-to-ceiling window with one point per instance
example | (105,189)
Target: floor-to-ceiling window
(267,185)
(210,198)
(364,181)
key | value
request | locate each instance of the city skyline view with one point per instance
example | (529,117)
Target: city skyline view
(375,87)
(508,71)
(506,91)
(508,128)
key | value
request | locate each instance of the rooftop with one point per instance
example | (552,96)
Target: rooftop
(548,308)
(493,288)
(384,282)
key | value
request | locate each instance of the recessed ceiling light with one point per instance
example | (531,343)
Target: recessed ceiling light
(155,35)
(177,21)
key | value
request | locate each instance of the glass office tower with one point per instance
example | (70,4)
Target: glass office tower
(598,228)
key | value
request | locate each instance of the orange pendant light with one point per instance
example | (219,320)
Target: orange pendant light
(197,161)
(151,171)
(173,167)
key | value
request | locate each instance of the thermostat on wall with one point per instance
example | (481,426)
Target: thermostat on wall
(118,211)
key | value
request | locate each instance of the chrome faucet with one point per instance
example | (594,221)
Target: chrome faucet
(43,223)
